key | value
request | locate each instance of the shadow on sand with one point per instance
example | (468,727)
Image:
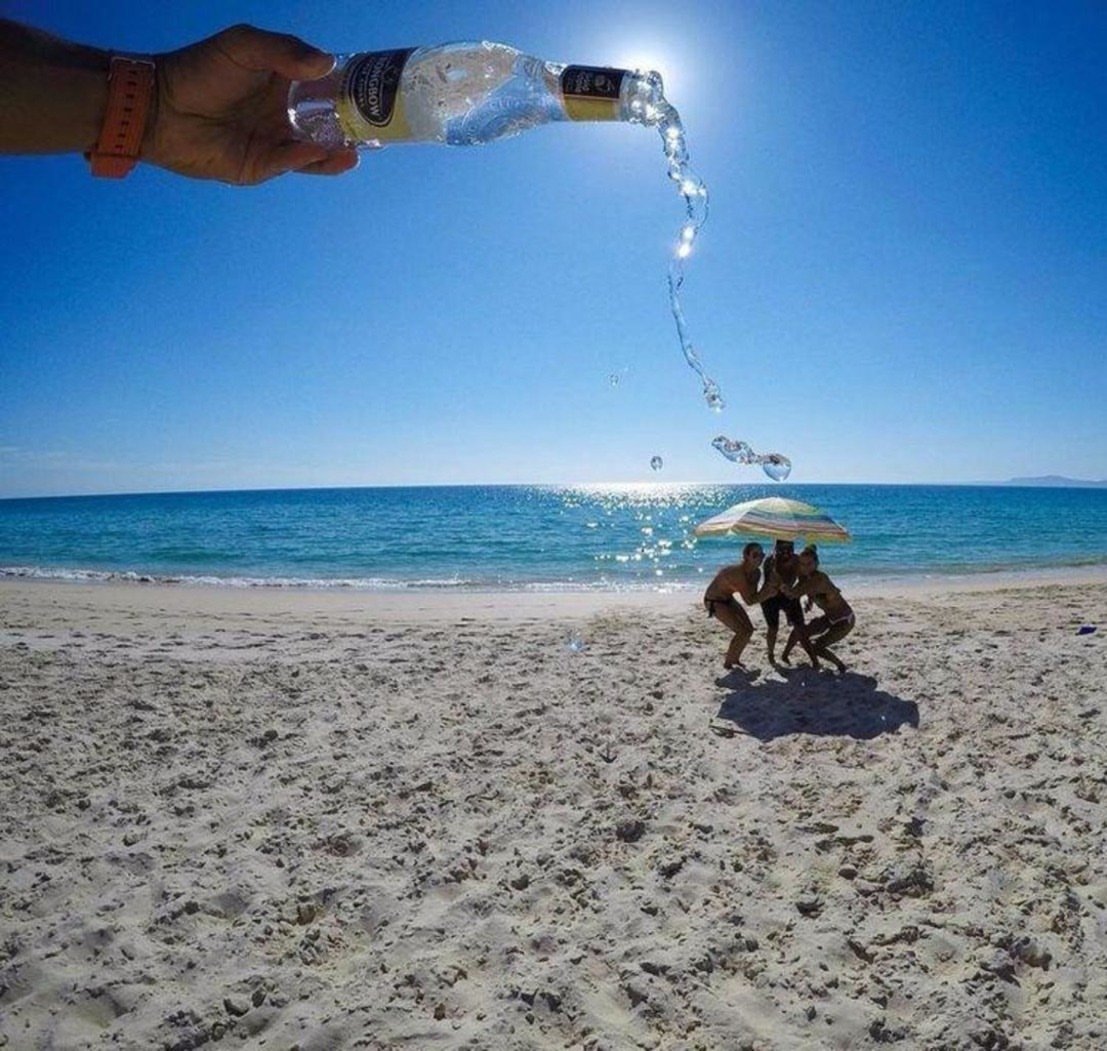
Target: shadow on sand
(808,702)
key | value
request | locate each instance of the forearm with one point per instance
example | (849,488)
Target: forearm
(794,591)
(52,93)
(770,589)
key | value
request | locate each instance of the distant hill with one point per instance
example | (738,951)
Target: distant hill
(1059,481)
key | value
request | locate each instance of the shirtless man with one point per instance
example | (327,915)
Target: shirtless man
(837,618)
(783,567)
(721,602)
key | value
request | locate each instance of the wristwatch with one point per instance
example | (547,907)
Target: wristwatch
(130,90)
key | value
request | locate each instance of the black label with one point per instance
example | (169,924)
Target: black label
(373,81)
(592,82)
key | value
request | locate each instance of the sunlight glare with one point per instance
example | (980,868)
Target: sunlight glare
(659,56)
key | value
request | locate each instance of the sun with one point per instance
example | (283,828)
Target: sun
(656,57)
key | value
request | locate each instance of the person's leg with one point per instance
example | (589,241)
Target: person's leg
(801,633)
(834,633)
(742,636)
(788,605)
(794,612)
(808,633)
(770,608)
(734,617)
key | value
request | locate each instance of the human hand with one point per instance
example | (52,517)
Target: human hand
(221,109)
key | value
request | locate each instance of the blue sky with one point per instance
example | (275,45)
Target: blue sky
(903,277)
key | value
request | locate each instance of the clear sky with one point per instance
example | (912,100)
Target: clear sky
(903,277)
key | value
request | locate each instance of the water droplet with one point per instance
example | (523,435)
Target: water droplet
(613,379)
(734,450)
(777,467)
(657,463)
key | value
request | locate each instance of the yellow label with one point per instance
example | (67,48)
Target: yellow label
(357,128)
(591,109)
(370,104)
(592,92)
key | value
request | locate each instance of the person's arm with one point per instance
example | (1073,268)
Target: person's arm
(769,588)
(219,109)
(52,93)
(751,596)
(799,589)
(771,583)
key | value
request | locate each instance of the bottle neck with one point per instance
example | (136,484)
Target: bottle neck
(606,93)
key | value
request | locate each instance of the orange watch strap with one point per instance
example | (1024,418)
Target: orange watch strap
(130,89)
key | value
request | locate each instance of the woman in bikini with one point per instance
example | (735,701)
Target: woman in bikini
(720,601)
(837,618)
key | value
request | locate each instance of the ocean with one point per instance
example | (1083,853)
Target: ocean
(530,537)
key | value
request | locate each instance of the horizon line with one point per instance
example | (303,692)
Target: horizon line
(1036,482)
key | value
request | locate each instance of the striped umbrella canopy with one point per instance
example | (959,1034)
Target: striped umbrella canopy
(775,517)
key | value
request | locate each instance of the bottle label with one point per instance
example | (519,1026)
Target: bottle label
(370,106)
(592,92)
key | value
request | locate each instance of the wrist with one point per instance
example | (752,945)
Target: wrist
(148,149)
(88,87)
(131,88)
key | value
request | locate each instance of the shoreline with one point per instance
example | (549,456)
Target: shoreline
(119,599)
(119,605)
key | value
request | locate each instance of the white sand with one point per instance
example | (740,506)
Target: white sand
(304,819)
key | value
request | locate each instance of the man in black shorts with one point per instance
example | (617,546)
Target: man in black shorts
(783,565)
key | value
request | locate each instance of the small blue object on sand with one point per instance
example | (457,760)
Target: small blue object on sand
(1086,629)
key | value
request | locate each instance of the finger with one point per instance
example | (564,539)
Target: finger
(338,162)
(262,51)
(288,157)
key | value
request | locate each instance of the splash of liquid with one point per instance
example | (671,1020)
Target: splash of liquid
(659,112)
(694,192)
(657,463)
(775,465)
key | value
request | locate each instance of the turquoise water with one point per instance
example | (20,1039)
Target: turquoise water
(533,537)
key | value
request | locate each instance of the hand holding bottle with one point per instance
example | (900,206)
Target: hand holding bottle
(222,109)
(218,108)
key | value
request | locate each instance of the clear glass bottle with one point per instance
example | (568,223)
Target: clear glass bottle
(461,94)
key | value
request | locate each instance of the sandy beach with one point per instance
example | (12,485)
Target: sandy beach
(282,819)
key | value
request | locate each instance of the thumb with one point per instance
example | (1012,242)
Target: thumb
(261,51)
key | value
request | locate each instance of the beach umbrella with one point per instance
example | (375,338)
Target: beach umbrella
(775,517)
